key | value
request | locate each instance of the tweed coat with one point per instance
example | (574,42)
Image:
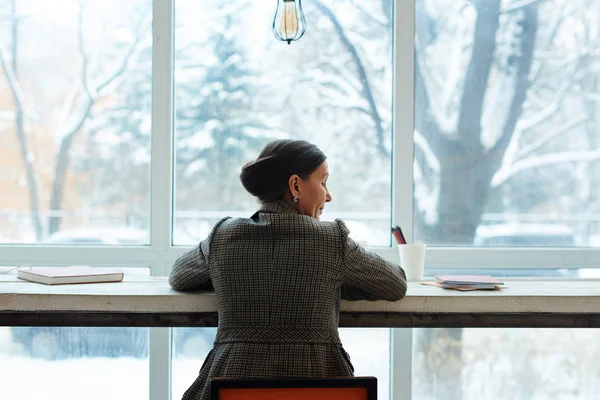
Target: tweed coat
(278,278)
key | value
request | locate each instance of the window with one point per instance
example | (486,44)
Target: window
(237,88)
(506,155)
(508,363)
(56,362)
(506,123)
(122,135)
(64,362)
(75,95)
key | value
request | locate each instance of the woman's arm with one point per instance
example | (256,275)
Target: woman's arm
(367,275)
(190,270)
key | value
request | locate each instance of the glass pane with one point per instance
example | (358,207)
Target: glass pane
(237,87)
(518,272)
(67,361)
(504,363)
(75,94)
(369,351)
(506,123)
(189,348)
(469,363)
(132,272)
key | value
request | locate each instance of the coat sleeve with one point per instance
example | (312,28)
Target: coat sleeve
(367,275)
(191,269)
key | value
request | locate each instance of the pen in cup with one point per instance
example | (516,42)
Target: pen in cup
(412,256)
(397,232)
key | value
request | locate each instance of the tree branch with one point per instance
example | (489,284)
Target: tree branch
(126,57)
(518,5)
(80,115)
(70,99)
(529,25)
(82,53)
(13,83)
(505,173)
(526,151)
(387,10)
(67,134)
(351,81)
(10,72)
(425,122)
(370,16)
(554,24)
(363,77)
(547,111)
(477,76)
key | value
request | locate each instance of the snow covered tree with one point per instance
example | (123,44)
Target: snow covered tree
(499,126)
(499,105)
(218,127)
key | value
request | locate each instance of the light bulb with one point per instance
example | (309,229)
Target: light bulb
(288,25)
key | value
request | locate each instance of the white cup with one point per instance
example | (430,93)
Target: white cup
(412,260)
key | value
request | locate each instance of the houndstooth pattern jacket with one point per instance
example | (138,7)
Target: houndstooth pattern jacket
(278,278)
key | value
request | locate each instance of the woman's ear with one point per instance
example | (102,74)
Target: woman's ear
(293,185)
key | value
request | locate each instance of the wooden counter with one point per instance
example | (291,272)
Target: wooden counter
(151,302)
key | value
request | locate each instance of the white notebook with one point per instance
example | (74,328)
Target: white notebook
(69,275)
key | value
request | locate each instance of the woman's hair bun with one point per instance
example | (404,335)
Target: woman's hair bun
(267,176)
(260,178)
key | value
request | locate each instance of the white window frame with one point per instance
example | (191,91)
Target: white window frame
(160,254)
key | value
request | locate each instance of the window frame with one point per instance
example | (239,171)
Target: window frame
(161,253)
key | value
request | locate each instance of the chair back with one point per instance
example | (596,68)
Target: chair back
(346,388)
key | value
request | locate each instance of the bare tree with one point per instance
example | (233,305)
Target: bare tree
(466,165)
(10,72)
(366,88)
(89,93)
(78,107)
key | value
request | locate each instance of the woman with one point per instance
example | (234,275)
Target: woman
(279,275)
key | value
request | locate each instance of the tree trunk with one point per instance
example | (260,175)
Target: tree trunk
(20,128)
(363,78)
(439,362)
(464,188)
(58,183)
(466,170)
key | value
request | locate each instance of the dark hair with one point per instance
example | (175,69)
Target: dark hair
(267,176)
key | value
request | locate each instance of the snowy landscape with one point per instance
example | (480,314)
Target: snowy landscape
(506,153)
(530,152)
(127,378)
(528,364)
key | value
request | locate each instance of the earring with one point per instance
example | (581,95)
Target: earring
(295,199)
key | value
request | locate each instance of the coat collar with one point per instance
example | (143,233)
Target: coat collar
(278,207)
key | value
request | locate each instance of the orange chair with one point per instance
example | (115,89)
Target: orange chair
(350,388)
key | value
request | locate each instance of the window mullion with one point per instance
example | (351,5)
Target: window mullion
(402,173)
(161,183)
(162,129)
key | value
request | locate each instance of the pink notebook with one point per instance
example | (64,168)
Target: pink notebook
(468,279)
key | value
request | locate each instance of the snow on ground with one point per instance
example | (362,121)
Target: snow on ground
(25,378)
(536,364)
